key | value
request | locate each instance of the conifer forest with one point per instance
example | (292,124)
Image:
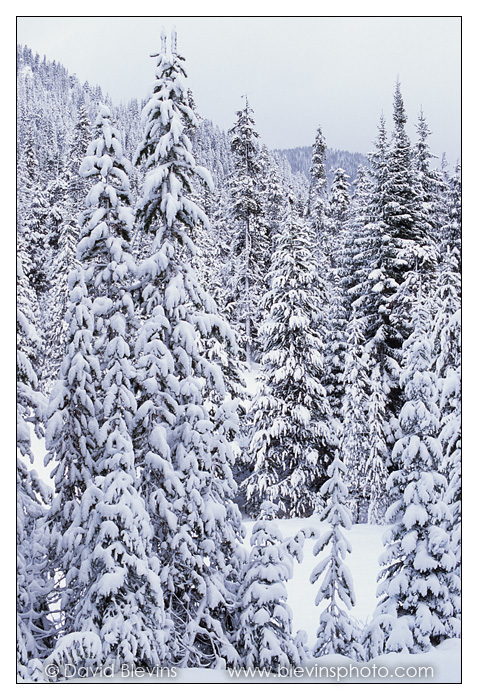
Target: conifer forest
(229,354)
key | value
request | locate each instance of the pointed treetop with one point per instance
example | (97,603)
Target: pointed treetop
(245,96)
(336,466)
(164,43)
(399,115)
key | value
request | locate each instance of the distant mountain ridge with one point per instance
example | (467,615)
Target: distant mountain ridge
(300,157)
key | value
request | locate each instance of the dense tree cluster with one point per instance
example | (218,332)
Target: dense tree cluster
(206,327)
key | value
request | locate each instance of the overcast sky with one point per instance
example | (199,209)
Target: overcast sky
(299,72)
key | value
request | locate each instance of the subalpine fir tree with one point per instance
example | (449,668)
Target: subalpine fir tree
(450,234)
(378,267)
(336,235)
(72,433)
(317,202)
(290,450)
(182,435)
(357,238)
(338,213)
(35,629)
(80,138)
(447,355)
(447,365)
(274,200)
(408,223)
(415,611)
(418,192)
(106,222)
(127,614)
(337,632)
(32,216)
(65,192)
(371,284)
(356,425)
(264,636)
(336,348)
(55,302)
(213,248)
(35,632)
(429,184)
(249,243)
(376,458)
(401,199)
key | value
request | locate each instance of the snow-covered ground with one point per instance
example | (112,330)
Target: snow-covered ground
(366,542)
(442,665)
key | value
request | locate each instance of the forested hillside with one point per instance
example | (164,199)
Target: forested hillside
(209,330)
(300,160)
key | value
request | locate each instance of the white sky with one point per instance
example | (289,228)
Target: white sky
(299,72)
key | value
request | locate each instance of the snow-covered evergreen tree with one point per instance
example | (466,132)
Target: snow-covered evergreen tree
(447,357)
(318,195)
(372,282)
(428,178)
(182,436)
(249,243)
(275,199)
(381,266)
(32,215)
(55,302)
(334,262)
(337,632)
(264,636)
(356,424)
(72,433)
(107,220)
(106,540)
(290,450)
(375,470)
(35,633)
(415,610)
(446,338)
(356,244)
(35,629)
(409,219)
(80,139)
(338,211)
(450,233)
